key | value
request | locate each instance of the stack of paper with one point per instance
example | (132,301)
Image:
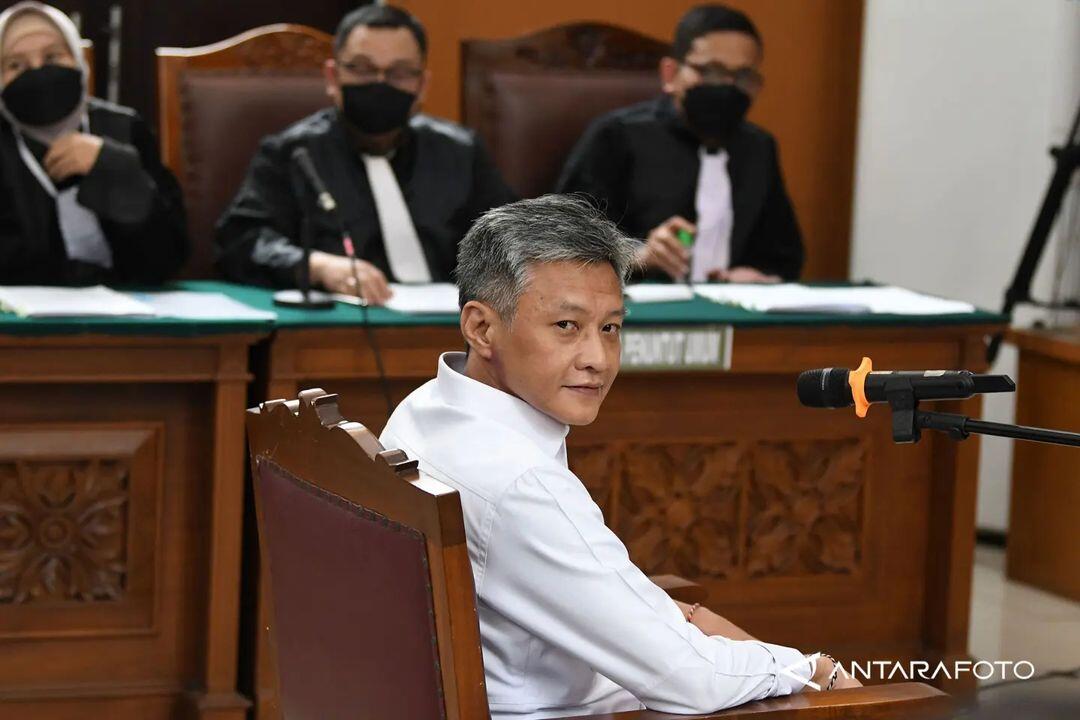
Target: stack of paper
(435,298)
(659,292)
(791,297)
(188,305)
(98,301)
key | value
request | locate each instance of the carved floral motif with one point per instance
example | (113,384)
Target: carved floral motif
(725,510)
(284,50)
(63,530)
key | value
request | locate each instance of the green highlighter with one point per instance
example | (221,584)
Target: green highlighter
(687,239)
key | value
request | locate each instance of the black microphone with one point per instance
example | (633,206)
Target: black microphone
(325,200)
(840,387)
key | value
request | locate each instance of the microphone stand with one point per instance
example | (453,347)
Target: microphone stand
(908,422)
(304,297)
(1066,162)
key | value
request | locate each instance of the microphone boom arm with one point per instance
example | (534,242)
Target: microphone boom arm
(908,422)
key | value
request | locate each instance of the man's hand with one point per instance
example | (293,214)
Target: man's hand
(335,274)
(663,250)
(743,275)
(72,154)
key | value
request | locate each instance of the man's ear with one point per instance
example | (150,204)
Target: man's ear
(421,93)
(333,88)
(669,68)
(478,326)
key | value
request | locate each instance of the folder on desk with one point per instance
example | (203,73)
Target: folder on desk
(793,298)
(35,301)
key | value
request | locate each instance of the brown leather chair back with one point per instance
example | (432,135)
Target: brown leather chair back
(530,98)
(373,611)
(218,101)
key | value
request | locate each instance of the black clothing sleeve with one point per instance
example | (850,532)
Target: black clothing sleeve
(254,237)
(776,246)
(136,200)
(597,168)
(140,206)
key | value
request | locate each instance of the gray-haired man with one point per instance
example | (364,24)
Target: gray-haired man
(569,625)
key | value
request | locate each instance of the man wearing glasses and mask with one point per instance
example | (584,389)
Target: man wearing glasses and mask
(408,186)
(687,172)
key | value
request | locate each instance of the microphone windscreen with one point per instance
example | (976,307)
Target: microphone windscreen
(825,388)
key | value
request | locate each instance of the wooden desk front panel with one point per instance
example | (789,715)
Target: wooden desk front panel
(1044,538)
(809,527)
(110,472)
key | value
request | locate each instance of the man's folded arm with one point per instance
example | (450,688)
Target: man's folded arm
(554,568)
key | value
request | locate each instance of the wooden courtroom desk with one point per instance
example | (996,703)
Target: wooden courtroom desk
(809,527)
(121,478)
(1044,537)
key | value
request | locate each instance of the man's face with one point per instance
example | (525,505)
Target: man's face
(717,57)
(561,352)
(30,41)
(390,55)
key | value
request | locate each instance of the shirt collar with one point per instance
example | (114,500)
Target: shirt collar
(460,390)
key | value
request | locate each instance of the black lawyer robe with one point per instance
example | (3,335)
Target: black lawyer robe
(137,201)
(445,175)
(641,165)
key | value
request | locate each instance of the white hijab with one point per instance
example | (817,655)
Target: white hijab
(84,240)
(70,34)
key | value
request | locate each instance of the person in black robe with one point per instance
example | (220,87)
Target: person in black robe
(84,198)
(407,186)
(646,164)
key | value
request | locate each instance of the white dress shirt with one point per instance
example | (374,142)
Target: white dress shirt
(715,216)
(569,625)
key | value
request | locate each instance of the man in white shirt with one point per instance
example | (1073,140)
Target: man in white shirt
(569,625)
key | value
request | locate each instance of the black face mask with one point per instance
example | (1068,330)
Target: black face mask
(376,108)
(714,112)
(43,96)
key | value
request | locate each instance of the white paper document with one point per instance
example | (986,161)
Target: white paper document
(429,299)
(792,297)
(659,292)
(97,301)
(188,305)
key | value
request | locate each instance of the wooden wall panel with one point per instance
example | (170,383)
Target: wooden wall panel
(810,100)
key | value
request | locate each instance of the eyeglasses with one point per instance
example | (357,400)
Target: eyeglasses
(401,76)
(746,79)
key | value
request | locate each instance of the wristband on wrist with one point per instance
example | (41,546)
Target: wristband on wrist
(834,674)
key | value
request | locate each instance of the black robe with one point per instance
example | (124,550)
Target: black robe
(641,164)
(137,201)
(445,175)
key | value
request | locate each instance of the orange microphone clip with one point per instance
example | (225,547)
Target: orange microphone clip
(857,381)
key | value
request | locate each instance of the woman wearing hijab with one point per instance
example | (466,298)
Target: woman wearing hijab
(84,198)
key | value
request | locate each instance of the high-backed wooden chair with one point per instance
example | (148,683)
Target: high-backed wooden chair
(216,102)
(373,608)
(530,98)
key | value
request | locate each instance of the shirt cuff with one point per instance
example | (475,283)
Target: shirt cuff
(793,669)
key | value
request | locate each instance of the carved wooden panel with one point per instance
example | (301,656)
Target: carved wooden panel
(284,50)
(63,530)
(78,528)
(732,510)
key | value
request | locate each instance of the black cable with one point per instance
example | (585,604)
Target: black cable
(380,368)
(384,382)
